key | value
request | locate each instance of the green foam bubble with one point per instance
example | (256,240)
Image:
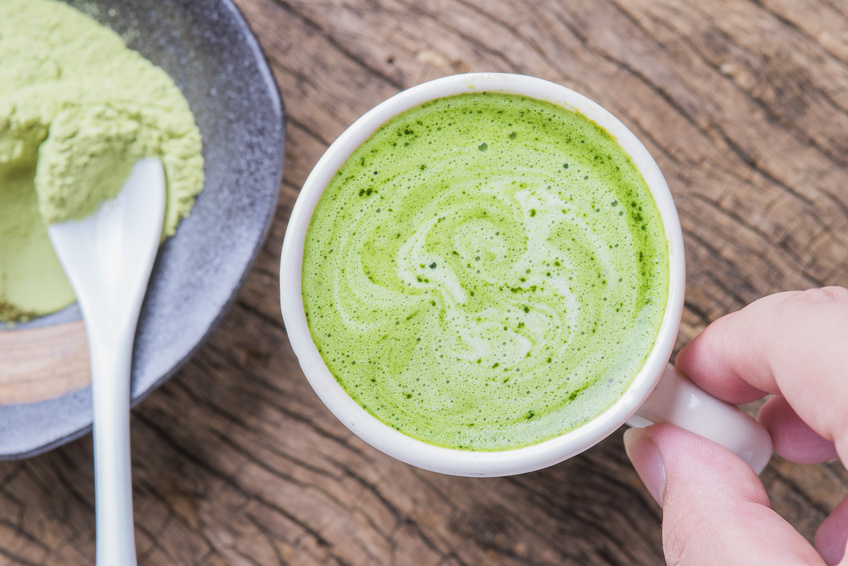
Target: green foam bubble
(487,271)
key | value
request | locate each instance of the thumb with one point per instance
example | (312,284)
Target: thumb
(715,509)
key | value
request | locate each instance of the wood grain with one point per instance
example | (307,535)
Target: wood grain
(43,363)
(744,104)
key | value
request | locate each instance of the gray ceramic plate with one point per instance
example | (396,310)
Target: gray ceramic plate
(209,51)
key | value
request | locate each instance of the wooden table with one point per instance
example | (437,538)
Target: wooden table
(744,104)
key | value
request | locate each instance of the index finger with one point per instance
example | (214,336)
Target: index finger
(792,344)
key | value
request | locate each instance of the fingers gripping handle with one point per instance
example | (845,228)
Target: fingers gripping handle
(676,400)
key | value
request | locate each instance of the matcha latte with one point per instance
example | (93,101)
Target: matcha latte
(485,272)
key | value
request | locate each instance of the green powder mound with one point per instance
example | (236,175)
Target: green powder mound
(77,110)
(486,272)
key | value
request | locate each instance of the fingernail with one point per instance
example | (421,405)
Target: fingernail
(646,459)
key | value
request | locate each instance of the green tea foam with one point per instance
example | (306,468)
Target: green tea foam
(487,271)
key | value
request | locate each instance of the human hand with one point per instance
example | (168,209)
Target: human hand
(715,509)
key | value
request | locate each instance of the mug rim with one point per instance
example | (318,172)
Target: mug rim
(455,461)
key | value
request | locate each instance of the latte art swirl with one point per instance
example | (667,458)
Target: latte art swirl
(485,272)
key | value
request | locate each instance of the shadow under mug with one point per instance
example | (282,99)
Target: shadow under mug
(658,393)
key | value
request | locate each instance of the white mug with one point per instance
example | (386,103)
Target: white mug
(658,393)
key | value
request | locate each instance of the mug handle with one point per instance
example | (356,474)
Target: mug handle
(678,401)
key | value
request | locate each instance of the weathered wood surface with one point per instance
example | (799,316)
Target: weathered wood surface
(744,103)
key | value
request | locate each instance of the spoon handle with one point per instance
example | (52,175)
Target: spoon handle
(110,371)
(108,257)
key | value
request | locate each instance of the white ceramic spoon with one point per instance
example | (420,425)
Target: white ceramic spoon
(107,257)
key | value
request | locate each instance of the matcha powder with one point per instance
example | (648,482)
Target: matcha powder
(77,110)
